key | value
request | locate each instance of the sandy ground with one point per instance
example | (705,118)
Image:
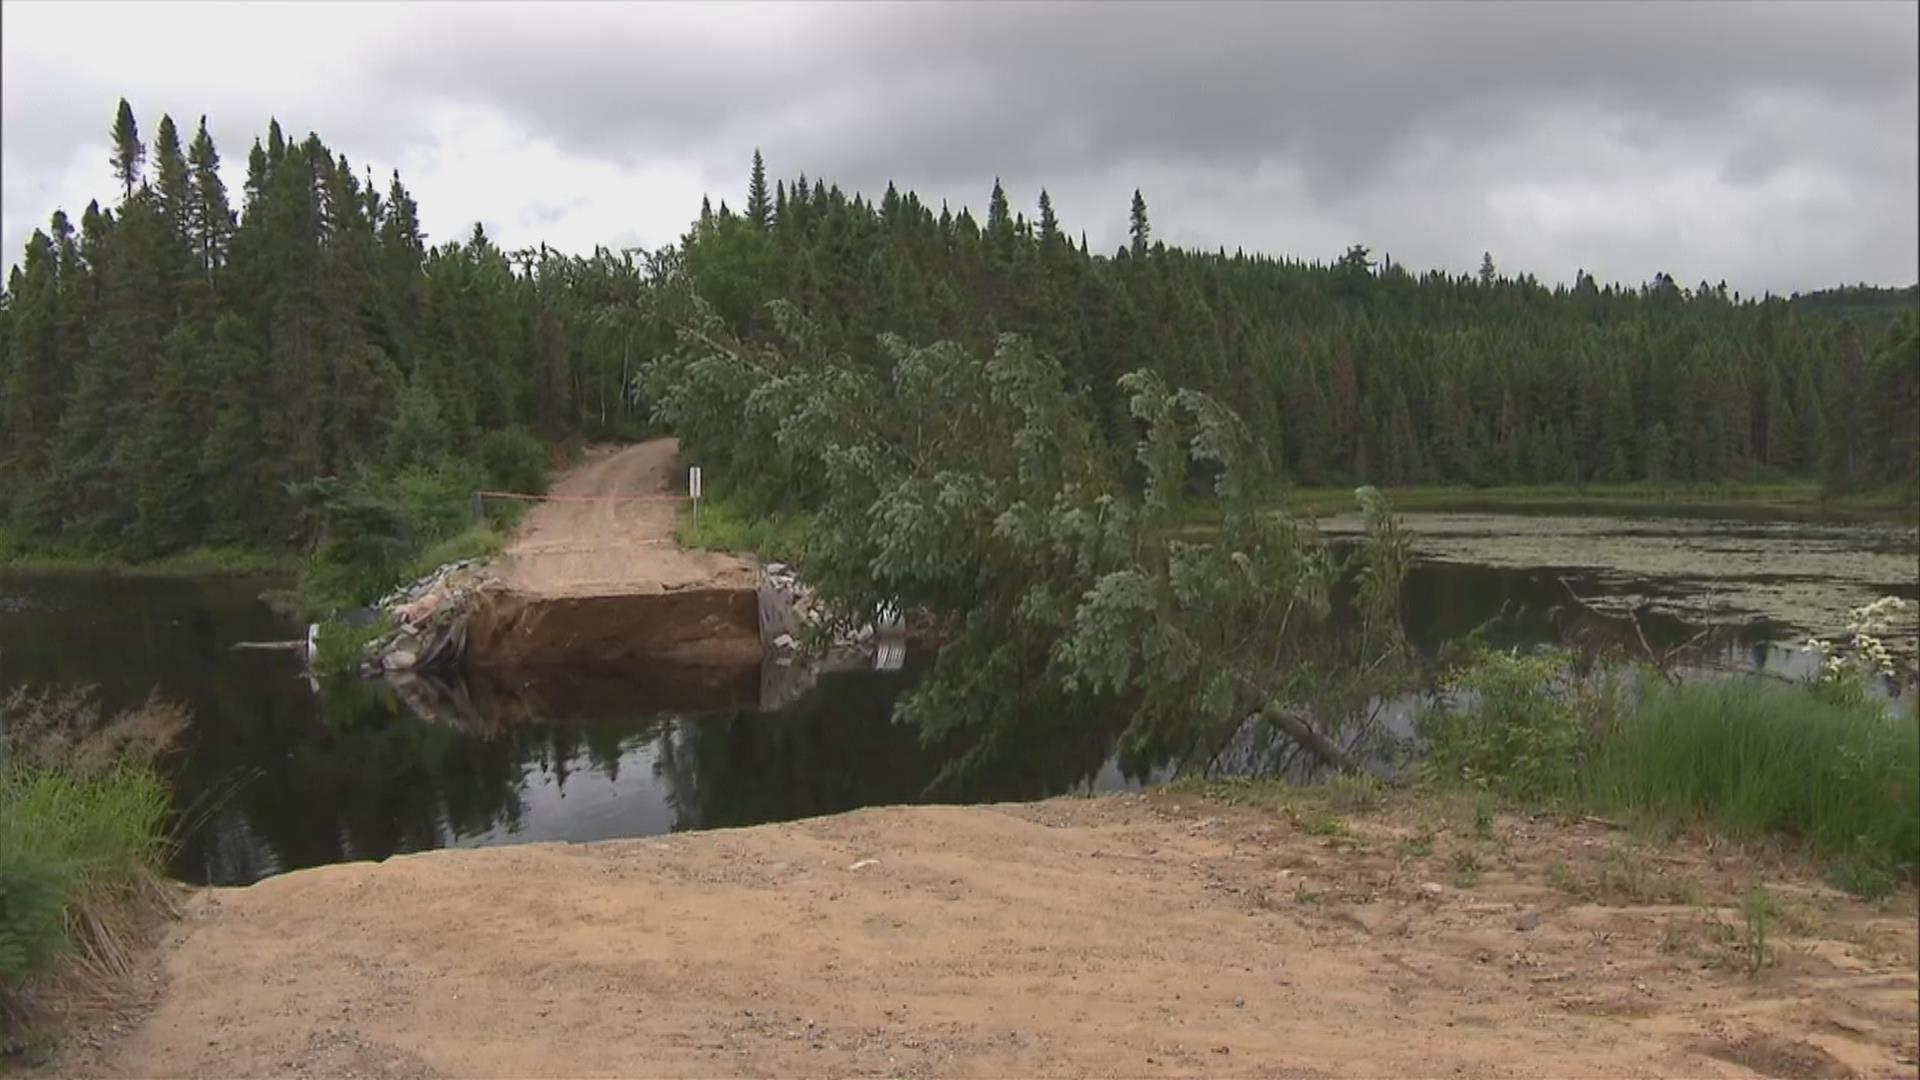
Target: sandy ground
(1144,935)
(613,548)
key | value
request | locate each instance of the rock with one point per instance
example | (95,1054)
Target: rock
(1431,889)
(784,641)
(864,863)
(398,660)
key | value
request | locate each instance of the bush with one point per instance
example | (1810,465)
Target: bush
(514,460)
(1511,723)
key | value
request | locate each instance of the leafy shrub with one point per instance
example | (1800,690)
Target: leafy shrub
(514,460)
(340,649)
(1516,724)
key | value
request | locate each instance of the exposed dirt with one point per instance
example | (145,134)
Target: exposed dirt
(603,582)
(1169,934)
(615,548)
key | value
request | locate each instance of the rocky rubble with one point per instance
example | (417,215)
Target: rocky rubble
(808,614)
(429,618)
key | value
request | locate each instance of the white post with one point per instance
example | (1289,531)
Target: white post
(693,489)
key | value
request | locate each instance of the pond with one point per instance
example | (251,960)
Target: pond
(274,775)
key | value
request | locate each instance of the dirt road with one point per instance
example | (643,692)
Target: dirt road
(1151,935)
(612,548)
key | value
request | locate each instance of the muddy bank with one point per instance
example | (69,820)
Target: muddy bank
(1140,935)
(715,627)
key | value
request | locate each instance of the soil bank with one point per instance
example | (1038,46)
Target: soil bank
(1142,935)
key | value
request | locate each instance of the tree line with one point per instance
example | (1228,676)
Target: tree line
(176,370)
(1357,369)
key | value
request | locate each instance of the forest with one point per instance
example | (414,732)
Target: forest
(178,371)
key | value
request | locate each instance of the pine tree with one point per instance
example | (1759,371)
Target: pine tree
(1487,273)
(1137,227)
(129,153)
(209,219)
(171,161)
(1049,225)
(759,209)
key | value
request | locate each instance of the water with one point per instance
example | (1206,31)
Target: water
(273,776)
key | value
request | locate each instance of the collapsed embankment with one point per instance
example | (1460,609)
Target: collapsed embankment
(595,609)
(710,627)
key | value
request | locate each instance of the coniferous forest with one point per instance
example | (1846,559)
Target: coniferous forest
(188,367)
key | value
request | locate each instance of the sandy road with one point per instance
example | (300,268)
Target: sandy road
(614,548)
(1162,935)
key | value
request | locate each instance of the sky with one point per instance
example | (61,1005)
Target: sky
(1769,145)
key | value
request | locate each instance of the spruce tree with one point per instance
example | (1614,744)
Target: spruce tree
(1137,227)
(209,220)
(171,168)
(129,153)
(1049,225)
(759,208)
(1487,272)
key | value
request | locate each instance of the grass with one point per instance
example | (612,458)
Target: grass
(477,542)
(725,525)
(1745,757)
(83,835)
(1751,757)
(18,556)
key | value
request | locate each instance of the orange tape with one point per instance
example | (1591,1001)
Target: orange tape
(578,498)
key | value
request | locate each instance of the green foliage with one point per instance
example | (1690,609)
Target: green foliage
(973,490)
(339,649)
(82,823)
(1753,757)
(1512,723)
(724,525)
(475,542)
(172,369)
(33,927)
(1746,756)
(513,459)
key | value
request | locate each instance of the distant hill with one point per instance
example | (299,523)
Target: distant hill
(1869,305)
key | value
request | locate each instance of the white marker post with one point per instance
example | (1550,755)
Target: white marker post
(693,489)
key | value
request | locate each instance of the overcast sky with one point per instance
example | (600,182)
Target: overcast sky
(1773,145)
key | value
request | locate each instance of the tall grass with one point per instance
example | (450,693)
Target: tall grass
(83,836)
(1745,756)
(723,525)
(1751,757)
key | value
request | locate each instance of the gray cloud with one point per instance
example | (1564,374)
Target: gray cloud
(1772,145)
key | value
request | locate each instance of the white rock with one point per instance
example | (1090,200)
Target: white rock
(398,660)
(1431,888)
(784,641)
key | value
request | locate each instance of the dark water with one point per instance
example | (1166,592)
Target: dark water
(274,775)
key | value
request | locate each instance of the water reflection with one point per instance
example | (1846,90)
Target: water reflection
(272,777)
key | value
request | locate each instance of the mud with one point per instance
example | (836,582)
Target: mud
(717,627)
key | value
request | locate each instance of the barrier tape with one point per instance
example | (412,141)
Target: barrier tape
(578,498)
